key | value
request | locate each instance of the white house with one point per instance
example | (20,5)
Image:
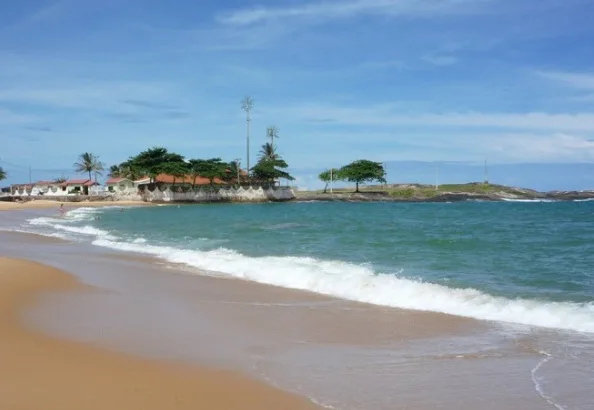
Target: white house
(119,184)
(77,186)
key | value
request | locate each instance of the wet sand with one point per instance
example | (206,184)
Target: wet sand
(40,371)
(49,204)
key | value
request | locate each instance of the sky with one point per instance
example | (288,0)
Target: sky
(394,81)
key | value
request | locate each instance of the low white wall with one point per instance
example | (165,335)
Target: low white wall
(222,194)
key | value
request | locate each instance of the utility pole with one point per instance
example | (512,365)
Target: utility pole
(247,104)
(436,175)
(30,179)
(238,163)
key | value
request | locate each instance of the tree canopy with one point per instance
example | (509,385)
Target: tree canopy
(152,162)
(362,171)
(88,163)
(2,174)
(330,175)
(268,152)
(209,168)
(270,166)
(270,170)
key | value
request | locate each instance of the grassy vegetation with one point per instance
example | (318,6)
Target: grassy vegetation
(409,191)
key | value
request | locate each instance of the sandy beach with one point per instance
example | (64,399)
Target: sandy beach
(40,371)
(48,204)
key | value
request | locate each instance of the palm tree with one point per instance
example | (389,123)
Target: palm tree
(268,152)
(233,172)
(90,163)
(115,171)
(2,174)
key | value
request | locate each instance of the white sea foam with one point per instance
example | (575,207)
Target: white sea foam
(82,214)
(344,280)
(361,283)
(63,224)
(536,380)
(584,200)
(51,235)
(528,200)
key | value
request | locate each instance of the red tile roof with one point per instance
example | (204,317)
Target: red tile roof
(116,180)
(46,183)
(84,182)
(169,179)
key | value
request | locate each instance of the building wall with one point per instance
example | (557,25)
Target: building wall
(47,190)
(120,186)
(203,194)
(224,194)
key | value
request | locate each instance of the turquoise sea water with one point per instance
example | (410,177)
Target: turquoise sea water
(525,263)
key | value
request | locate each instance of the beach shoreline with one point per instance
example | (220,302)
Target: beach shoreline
(49,204)
(345,354)
(44,371)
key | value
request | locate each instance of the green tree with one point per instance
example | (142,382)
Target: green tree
(175,169)
(2,174)
(268,152)
(362,171)
(233,172)
(269,170)
(329,175)
(89,163)
(209,168)
(151,162)
(270,166)
(115,172)
(60,179)
(125,170)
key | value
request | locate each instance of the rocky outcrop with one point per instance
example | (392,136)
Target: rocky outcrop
(383,196)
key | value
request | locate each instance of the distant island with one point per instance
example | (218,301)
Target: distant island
(474,191)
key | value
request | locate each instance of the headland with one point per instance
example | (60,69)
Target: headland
(444,193)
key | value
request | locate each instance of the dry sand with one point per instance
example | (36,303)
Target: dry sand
(42,372)
(48,204)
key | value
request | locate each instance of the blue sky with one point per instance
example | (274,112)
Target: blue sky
(387,80)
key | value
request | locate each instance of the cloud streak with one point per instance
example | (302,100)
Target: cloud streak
(575,80)
(327,10)
(382,116)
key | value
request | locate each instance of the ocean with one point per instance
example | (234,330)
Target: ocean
(523,272)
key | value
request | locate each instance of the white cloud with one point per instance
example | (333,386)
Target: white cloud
(576,80)
(550,148)
(342,9)
(385,115)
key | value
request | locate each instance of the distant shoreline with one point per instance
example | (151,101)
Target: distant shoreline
(409,193)
(446,193)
